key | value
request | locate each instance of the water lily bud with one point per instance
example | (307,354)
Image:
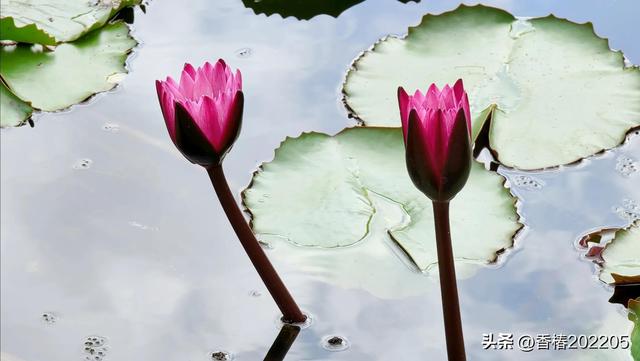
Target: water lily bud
(437,135)
(203,112)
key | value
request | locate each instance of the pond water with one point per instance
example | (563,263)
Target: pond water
(112,242)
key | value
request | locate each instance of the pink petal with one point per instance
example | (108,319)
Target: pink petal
(458,90)
(188,68)
(166,105)
(210,122)
(447,99)
(186,85)
(433,137)
(432,95)
(467,112)
(232,120)
(238,80)
(403,103)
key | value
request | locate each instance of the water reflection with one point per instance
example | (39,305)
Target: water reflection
(282,343)
(135,248)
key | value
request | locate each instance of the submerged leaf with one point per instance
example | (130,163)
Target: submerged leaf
(560,93)
(54,80)
(323,192)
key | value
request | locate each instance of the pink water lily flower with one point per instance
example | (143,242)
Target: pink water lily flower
(436,128)
(203,112)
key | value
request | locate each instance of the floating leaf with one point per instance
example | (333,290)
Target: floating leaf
(54,80)
(319,192)
(52,21)
(26,34)
(560,93)
(13,111)
(634,306)
(622,256)
(303,9)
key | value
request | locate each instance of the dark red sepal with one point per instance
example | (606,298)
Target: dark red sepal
(419,164)
(234,124)
(457,164)
(190,140)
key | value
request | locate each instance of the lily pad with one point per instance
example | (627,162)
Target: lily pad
(53,21)
(73,72)
(622,256)
(13,111)
(634,315)
(560,93)
(303,9)
(319,192)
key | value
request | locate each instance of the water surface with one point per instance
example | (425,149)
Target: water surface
(108,231)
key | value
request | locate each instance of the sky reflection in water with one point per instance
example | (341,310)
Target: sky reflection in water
(134,247)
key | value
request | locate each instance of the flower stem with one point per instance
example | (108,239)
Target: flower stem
(448,287)
(290,310)
(282,343)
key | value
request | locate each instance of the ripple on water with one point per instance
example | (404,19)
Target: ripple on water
(220,356)
(335,343)
(626,166)
(49,318)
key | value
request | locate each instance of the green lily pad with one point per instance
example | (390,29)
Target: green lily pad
(560,93)
(320,192)
(73,72)
(622,255)
(13,111)
(634,315)
(53,21)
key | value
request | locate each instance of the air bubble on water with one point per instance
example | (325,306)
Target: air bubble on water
(629,211)
(111,127)
(95,348)
(220,356)
(83,164)
(335,343)
(626,166)
(244,52)
(528,182)
(49,318)
(521,27)
(308,321)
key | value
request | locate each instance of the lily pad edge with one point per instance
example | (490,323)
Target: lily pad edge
(500,254)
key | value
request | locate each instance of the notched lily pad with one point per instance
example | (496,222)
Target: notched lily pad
(323,191)
(621,257)
(53,21)
(71,73)
(560,93)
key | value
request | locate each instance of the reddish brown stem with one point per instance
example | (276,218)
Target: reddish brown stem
(448,287)
(290,310)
